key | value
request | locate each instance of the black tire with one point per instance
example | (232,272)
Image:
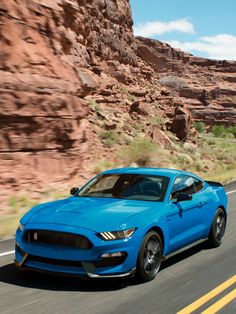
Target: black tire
(150,257)
(217,231)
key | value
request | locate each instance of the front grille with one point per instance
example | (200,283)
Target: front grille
(56,238)
(53,261)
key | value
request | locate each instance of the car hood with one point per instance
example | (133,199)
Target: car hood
(97,214)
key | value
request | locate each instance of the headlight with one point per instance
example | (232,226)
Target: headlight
(116,235)
(21,227)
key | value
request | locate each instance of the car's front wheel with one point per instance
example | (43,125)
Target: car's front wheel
(150,256)
(217,228)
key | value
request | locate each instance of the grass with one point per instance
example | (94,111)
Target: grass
(94,105)
(109,138)
(222,131)
(20,204)
(103,165)
(125,91)
(218,131)
(8,224)
(199,126)
(17,203)
(212,159)
(139,151)
(159,121)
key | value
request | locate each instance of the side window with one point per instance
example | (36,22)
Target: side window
(198,185)
(183,184)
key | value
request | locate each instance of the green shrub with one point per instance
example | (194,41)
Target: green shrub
(109,137)
(139,126)
(232,130)
(103,165)
(94,105)
(124,90)
(140,152)
(219,130)
(223,131)
(199,126)
(160,121)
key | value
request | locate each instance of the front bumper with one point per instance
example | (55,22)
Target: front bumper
(74,261)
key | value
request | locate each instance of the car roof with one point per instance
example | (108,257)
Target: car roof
(171,173)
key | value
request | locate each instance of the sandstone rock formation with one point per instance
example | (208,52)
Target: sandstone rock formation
(205,87)
(71,68)
(51,52)
(181,125)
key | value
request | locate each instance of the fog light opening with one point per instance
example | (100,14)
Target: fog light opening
(116,254)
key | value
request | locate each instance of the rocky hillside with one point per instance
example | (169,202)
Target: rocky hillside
(72,71)
(206,87)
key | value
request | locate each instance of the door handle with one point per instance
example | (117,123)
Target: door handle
(201,204)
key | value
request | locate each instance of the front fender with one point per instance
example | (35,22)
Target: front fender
(161,227)
(150,221)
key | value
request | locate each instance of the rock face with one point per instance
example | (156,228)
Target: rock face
(50,55)
(61,61)
(205,87)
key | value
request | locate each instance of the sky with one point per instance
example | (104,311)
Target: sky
(205,28)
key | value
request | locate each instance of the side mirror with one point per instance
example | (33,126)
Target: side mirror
(181,197)
(74,191)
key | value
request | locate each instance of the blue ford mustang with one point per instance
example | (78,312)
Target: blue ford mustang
(122,222)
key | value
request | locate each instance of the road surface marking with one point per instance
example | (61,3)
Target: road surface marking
(210,295)
(221,303)
(7,239)
(7,253)
(231,192)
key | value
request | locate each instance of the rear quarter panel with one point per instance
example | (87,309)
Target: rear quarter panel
(216,197)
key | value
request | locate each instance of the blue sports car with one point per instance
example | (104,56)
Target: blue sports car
(122,222)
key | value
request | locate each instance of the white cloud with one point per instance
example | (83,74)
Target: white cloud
(221,46)
(150,29)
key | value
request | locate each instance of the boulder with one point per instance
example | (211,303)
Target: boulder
(139,108)
(88,82)
(138,92)
(158,136)
(182,123)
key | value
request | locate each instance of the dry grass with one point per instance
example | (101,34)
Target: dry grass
(8,224)
(212,159)
(18,205)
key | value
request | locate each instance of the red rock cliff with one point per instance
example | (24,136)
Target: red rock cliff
(56,54)
(51,56)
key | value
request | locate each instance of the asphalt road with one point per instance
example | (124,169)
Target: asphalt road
(182,280)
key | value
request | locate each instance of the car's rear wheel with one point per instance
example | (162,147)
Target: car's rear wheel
(218,226)
(150,256)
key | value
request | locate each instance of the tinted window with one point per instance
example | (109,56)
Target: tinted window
(183,184)
(126,186)
(198,185)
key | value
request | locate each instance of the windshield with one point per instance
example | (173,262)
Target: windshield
(126,186)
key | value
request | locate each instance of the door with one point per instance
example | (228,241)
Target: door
(184,219)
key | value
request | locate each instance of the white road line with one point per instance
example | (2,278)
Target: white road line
(7,253)
(7,239)
(12,252)
(231,192)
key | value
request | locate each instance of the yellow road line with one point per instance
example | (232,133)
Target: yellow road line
(210,295)
(221,303)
